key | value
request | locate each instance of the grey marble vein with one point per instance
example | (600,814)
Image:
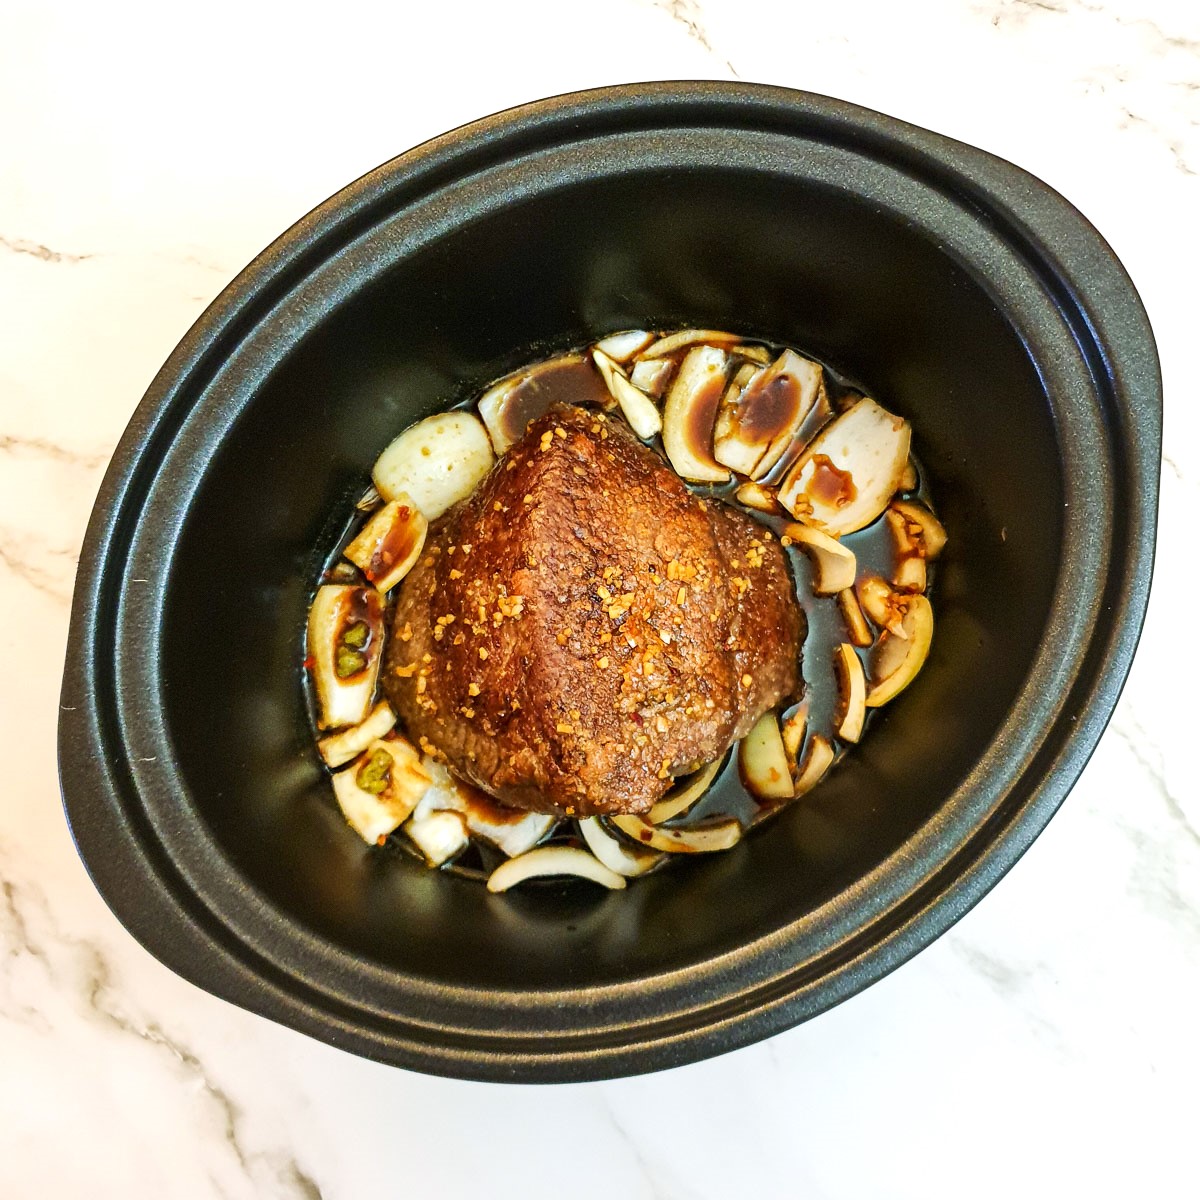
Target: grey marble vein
(34,447)
(15,559)
(1137,740)
(37,250)
(88,974)
(689,14)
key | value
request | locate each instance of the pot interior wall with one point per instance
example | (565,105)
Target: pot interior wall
(867,293)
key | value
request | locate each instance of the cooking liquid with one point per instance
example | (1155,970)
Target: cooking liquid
(874,552)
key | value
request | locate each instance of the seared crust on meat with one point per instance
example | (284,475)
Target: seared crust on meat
(582,628)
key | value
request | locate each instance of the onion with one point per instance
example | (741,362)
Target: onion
(621,347)
(687,337)
(751,352)
(552,860)
(759,421)
(696,839)
(438,462)
(689,414)
(437,833)
(884,606)
(615,854)
(754,495)
(895,661)
(792,729)
(678,801)
(932,532)
(345,644)
(764,761)
(651,375)
(390,543)
(852,685)
(638,408)
(379,790)
(849,471)
(857,628)
(834,565)
(510,830)
(817,760)
(341,747)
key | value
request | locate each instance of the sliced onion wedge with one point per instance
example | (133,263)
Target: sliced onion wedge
(552,861)
(857,629)
(616,855)
(651,375)
(792,729)
(764,761)
(849,471)
(437,462)
(909,480)
(818,758)
(390,543)
(754,495)
(752,352)
(512,831)
(931,531)
(688,337)
(345,644)
(852,690)
(834,565)
(908,561)
(675,803)
(341,747)
(884,606)
(621,347)
(755,427)
(696,839)
(437,833)
(689,414)
(379,790)
(895,661)
(638,409)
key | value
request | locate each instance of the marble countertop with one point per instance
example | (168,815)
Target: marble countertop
(1047,1045)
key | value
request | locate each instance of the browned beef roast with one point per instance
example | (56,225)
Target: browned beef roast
(582,628)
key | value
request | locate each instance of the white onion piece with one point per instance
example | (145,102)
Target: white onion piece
(730,450)
(438,462)
(689,414)
(895,662)
(511,403)
(857,628)
(651,375)
(764,760)
(849,471)
(884,606)
(834,565)
(754,495)
(688,337)
(932,531)
(852,685)
(908,481)
(341,747)
(552,860)
(817,760)
(621,347)
(437,833)
(677,802)
(614,854)
(698,839)
(637,408)
(792,729)
(338,612)
(757,354)
(510,830)
(757,426)
(374,814)
(908,563)
(390,543)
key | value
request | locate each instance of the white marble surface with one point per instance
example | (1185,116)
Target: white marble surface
(1049,1045)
